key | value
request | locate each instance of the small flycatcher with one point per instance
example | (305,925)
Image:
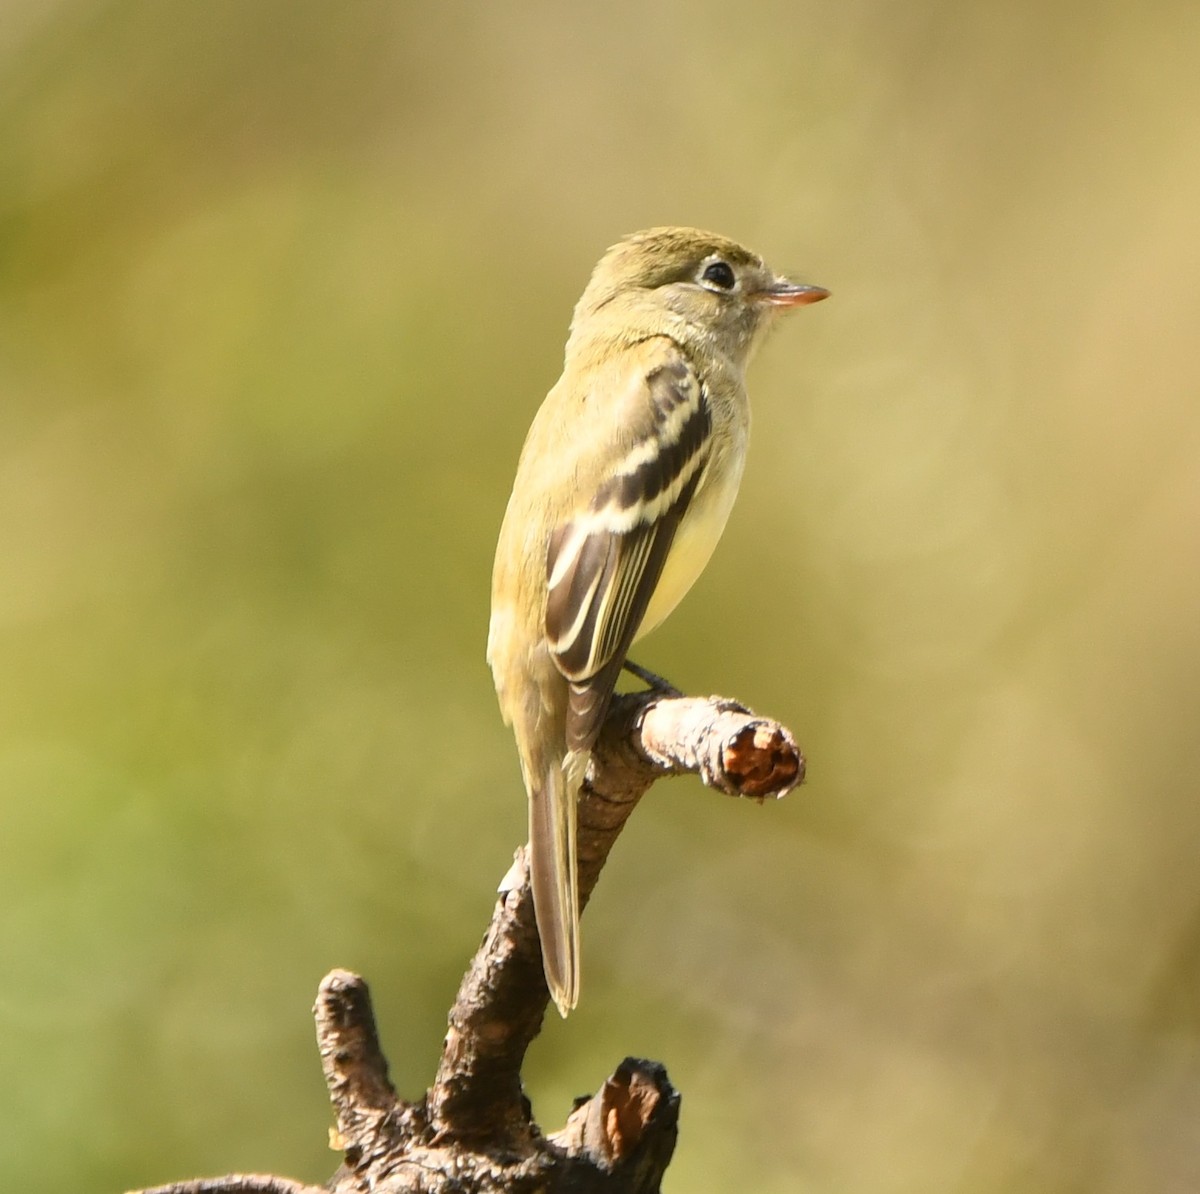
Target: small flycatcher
(624,486)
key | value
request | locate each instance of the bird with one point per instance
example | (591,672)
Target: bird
(622,490)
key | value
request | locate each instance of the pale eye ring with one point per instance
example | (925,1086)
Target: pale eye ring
(719,275)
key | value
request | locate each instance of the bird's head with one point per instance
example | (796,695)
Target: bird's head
(690,284)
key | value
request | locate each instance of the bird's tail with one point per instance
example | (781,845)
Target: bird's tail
(554,870)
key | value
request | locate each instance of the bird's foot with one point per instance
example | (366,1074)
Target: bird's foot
(652,680)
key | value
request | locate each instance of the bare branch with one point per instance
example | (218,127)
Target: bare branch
(237,1183)
(722,742)
(473,1133)
(631,1122)
(370,1118)
(503,997)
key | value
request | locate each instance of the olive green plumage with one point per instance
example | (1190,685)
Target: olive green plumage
(623,488)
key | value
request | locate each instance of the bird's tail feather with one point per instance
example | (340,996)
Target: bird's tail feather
(554,872)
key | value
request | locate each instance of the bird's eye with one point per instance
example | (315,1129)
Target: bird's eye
(719,274)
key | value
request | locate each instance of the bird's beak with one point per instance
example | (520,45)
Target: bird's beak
(782,293)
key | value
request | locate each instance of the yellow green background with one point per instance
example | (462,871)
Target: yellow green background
(281,285)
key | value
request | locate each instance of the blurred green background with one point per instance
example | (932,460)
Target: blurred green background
(281,285)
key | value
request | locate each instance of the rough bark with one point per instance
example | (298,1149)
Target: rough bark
(473,1132)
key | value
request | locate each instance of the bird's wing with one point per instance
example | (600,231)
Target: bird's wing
(603,564)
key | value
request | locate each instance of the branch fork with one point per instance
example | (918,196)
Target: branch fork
(473,1131)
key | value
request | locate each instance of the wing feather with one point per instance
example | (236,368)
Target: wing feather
(602,565)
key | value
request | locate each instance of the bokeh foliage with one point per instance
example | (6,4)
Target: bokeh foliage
(281,285)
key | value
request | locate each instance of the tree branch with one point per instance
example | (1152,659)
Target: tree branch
(503,997)
(473,1131)
(237,1183)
